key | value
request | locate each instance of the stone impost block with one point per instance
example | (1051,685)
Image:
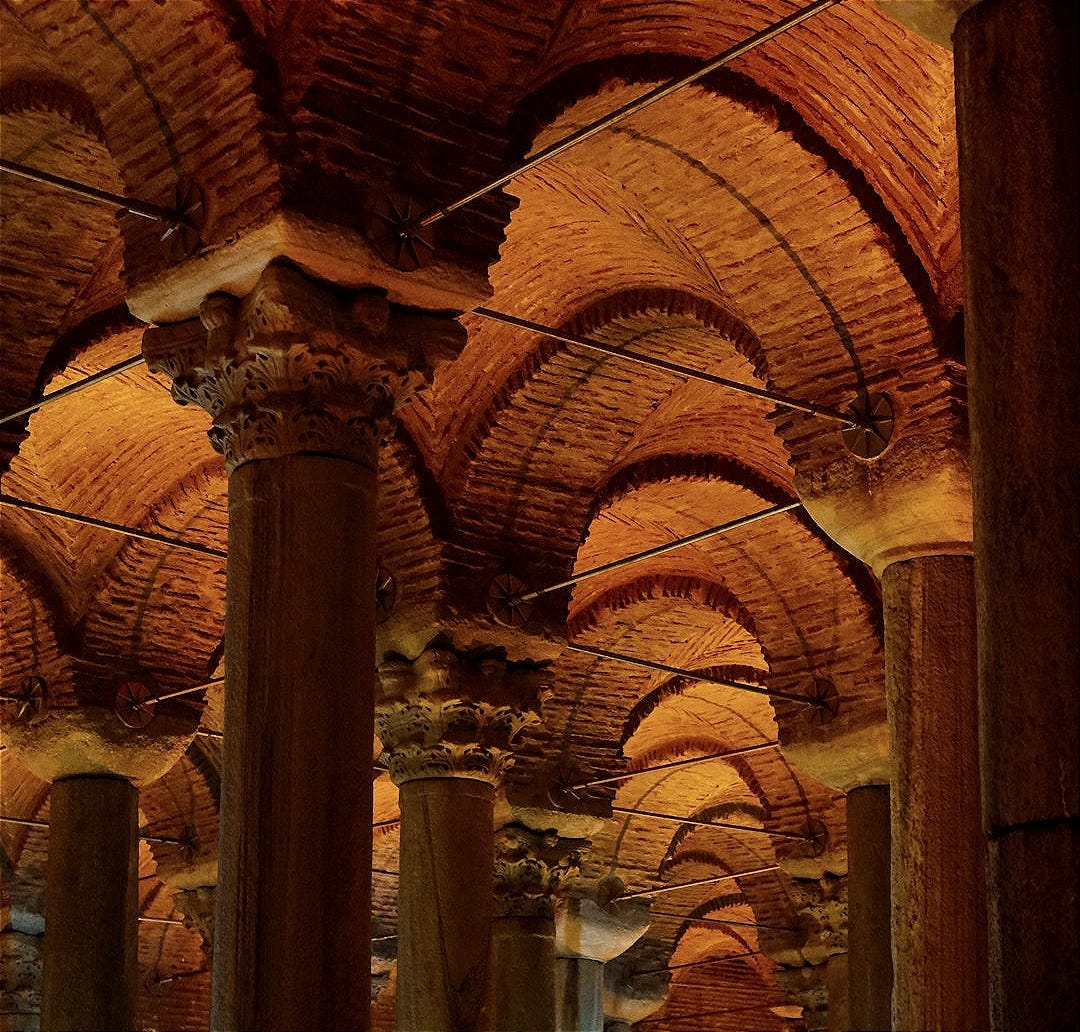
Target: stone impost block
(912,501)
(65,737)
(456,715)
(636,983)
(531,868)
(297,367)
(585,929)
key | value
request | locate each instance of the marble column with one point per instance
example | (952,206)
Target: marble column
(938,881)
(1017,125)
(530,868)
(300,381)
(869,895)
(587,936)
(446,721)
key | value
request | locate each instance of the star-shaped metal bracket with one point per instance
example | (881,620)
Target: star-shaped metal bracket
(30,700)
(182,237)
(395,232)
(824,701)
(504,601)
(871,427)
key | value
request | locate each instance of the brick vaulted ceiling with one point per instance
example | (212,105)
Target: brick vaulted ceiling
(790,221)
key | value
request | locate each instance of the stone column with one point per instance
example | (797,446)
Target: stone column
(530,867)
(1017,117)
(91,905)
(869,896)
(587,936)
(95,764)
(938,881)
(635,985)
(446,722)
(908,515)
(300,382)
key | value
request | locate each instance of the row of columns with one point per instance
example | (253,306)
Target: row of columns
(300,382)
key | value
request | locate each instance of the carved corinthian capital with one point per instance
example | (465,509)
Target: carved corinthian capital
(295,367)
(453,715)
(531,868)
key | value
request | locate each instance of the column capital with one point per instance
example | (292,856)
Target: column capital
(531,868)
(448,714)
(297,367)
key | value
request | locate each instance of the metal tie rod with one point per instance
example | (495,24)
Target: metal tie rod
(711,824)
(669,367)
(722,921)
(663,668)
(632,108)
(675,763)
(650,553)
(696,963)
(34,822)
(116,528)
(640,893)
(144,209)
(74,388)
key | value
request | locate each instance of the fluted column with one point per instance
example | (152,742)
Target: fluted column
(1017,96)
(587,936)
(446,722)
(300,381)
(530,868)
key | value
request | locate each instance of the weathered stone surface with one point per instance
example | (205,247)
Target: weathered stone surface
(1016,81)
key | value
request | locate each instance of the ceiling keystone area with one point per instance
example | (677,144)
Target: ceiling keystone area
(789,222)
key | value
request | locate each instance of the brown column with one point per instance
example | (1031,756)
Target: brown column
(869,956)
(938,882)
(91,906)
(292,928)
(444,904)
(1016,81)
(838,1018)
(530,866)
(446,721)
(300,382)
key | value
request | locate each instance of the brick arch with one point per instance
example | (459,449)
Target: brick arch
(45,93)
(652,52)
(53,243)
(708,594)
(690,466)
(183,805)
(38,631)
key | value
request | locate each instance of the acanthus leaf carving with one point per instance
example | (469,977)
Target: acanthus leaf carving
(447,714)
(295,367)
(532,868)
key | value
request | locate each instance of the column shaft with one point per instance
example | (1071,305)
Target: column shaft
(292,925)
(1017,81)
(869,957)
(91,906)
(444,904)
(938,881)
(579,994)
(523,968)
